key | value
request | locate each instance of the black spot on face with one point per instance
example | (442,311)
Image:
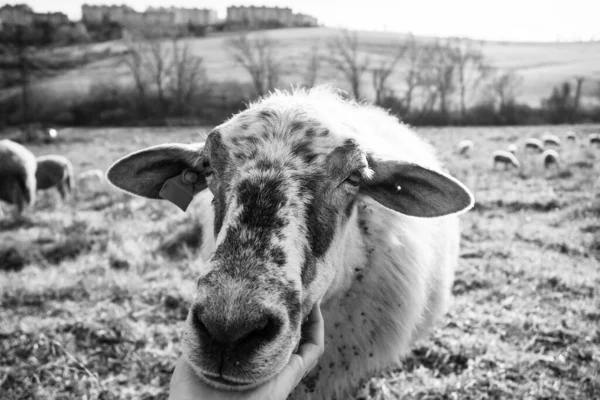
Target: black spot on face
(350,208)
(278,256)
(296,126)
(304,150)
(261,201)
(309,269)
(266,114)
(219,211)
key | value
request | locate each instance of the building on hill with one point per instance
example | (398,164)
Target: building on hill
(96,14)
(153,16)
(195,16)
(23,15)
(305,20)
(253,16)
(19,14)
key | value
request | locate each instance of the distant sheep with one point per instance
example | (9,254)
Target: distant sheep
(17,175)
(465,147)
(513,148)
(91,178)
(595,139)
(534,144)
(550,158)
(571,136)
(55,171)
(550,140)
(506,158)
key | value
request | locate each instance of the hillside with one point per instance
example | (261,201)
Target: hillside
(542,65)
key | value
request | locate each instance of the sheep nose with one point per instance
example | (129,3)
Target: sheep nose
(247,330)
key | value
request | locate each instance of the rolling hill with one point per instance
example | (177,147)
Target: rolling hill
(542,65)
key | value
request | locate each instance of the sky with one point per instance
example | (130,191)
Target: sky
(511,20)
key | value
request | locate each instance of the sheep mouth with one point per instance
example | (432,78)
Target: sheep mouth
(222,383)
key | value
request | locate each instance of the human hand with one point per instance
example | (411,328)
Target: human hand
(185,385)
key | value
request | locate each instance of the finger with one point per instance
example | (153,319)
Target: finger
(291,375)
(313,329)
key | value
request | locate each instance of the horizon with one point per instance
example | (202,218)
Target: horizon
(536,20)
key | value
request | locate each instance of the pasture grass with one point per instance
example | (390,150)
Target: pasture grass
(94,292)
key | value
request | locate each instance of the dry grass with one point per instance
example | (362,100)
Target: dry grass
(94,295)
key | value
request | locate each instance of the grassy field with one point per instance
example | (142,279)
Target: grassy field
(91,308)
(542,65)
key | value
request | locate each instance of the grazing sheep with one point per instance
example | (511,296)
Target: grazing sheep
(594,138)
(513,148)
(571,137)
(312,197)
(17,175)
(55,171)
(550,140)
(506,158)
(550,158)
(465,147)
(90,177)
(534,144)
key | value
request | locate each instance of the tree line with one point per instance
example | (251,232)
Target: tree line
(424,82)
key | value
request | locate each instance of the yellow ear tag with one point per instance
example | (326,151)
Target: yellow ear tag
(179,190)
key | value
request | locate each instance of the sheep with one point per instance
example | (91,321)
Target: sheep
(534,144)
(55,171)
(571,137)
(551,157)
(52,133)
(512,148)
(550,140)
(313,197)
(594,139)
(465,147)
(17,175)
(505,157)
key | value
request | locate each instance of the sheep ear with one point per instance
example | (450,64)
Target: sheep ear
(413,190)
(145,172)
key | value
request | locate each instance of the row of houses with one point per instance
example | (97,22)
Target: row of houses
(127,16)
(23,15)
(176,16)
(254,16)
(161,17)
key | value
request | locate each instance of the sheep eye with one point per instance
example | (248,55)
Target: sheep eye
(207,168)
(354,179)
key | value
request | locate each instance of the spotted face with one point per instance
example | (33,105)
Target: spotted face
(283,187)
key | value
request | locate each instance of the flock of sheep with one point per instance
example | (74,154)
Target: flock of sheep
(22,175)
(546,146)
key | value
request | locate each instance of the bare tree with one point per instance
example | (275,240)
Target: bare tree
(258,57)
(170,72)
(437,77)
(577,98)
(21,61)
(345,57)
(187,76)
(412,77)
(382,73)
(159,68)
(504,87)
(134,60)
(312,69)
(470,68)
